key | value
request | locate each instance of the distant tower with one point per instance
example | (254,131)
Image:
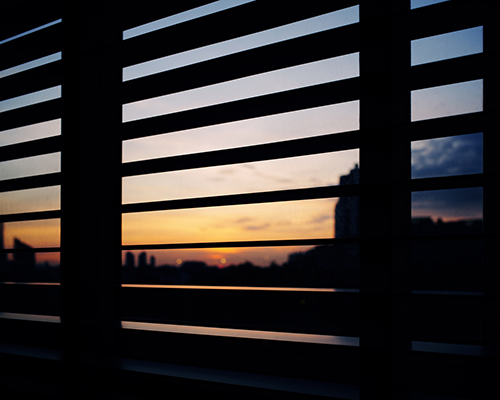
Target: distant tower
(152,261)
(129,260)
(347,209)
(143,260)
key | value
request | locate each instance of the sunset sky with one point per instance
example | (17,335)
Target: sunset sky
(288,220)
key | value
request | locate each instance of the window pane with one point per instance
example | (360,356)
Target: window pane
(314,73)
(454,155)
(30,132)
(30,200)
(449,45)
(288,173)
(274,128)
(31,234)
(30,166)
(445,212)
(294,267)
(306,219)
(31,98)
(443,101)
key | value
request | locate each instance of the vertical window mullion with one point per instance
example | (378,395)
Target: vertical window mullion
(384,201)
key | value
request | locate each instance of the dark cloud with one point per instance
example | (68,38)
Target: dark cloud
(456,155)
(256,227)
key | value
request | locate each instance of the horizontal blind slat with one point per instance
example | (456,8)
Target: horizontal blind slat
(31,47)
(225,25)
(246,63)
(291,100)
(32,80)
(40,112)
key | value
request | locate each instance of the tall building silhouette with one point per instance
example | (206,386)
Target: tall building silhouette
(347,209)
(25,261)
(129,260)
(143,263)
(3,255)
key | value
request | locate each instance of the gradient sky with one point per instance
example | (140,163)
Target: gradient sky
(449,204)
(307,219)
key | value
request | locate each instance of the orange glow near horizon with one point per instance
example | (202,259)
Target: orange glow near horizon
(52,258)
(37,234)
(258,256)
(306,219)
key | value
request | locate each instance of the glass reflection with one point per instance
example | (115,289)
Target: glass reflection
(454,155)
(449,45)
(447,212)
(30,166)
(30,132)
(30,200)
(289,173)
(292,267)
(447,100)
(274,128)
(309,74)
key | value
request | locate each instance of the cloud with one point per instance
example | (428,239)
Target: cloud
(256,227)
(322,218)
(455,155)
(243,220)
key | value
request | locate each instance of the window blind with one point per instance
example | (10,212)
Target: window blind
(285,202)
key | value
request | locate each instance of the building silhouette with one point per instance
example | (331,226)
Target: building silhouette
(24,260)
(129,260)
(142,261)
(347,209)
